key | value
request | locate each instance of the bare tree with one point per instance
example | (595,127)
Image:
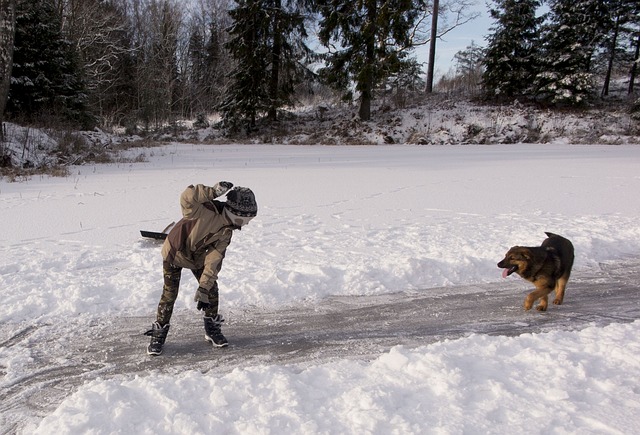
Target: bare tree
(7,34)
(205,64)
(620,27)
(100,33)
(453,14)
(156,26)
(432,45)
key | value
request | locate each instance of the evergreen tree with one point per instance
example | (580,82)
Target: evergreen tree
(470,61)
(247,95)
(288,53)
(45,75)
(469,68)
(510,57)
(373,38)
(266,40)
(575,30)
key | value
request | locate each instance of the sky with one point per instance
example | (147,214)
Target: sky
(458,39)
(454,41)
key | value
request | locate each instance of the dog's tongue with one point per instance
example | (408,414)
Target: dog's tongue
(505,273)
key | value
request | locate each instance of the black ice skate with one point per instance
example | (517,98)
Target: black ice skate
(212,331)
(158,335)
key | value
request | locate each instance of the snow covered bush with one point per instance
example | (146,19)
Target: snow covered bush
(572,89)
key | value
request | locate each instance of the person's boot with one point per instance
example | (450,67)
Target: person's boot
(212,331)
(158,335)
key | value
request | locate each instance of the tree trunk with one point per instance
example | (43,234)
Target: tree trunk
(366,82)
(432,46)
(7,34)
(634,67)
(276,52)
(612,55)
(366,92)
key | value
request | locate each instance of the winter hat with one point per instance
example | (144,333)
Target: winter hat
(242,202)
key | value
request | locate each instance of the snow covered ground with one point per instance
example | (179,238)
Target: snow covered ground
(333,221)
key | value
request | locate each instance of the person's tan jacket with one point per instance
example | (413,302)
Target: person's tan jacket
(199,240)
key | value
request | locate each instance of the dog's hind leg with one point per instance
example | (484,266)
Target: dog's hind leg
(561,285)
(543,303)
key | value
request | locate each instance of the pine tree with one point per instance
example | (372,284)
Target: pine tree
(470,61)
(45,74)
(267,43)
(372,39)
(290,55)
(576,28)
(510,57)
(469,68)
(247,95)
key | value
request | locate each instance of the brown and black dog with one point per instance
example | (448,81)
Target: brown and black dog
(547,266)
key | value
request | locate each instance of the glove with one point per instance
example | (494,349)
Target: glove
(203,306)
(222,187)
(202,297)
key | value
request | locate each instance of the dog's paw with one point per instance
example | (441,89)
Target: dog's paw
(557,302)
(541,307)
(528,303)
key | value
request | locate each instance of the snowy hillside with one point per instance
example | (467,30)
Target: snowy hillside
(437,121)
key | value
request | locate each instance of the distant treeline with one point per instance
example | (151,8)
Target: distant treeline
(146,63)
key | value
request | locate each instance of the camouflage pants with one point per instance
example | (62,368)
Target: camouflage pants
(170,289)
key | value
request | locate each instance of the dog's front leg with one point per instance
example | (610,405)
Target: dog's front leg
(528,301)
(543,288)
(531,298)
